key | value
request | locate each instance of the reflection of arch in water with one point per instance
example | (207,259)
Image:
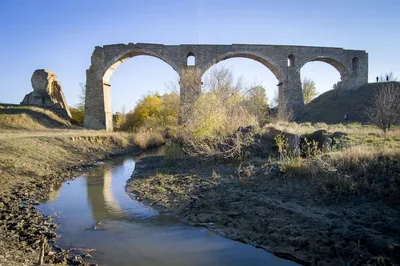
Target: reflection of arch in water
(54,192)
(99,194)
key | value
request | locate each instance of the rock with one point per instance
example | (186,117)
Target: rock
(320,137)
(327,145)
(247,129)
(47,92)
(294,143)
(339,135)
(337,139)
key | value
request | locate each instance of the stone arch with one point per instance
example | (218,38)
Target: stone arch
(278,69)
(105,60)
(113,64)
(269,63)
(337,64)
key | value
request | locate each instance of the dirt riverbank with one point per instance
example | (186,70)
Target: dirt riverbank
(31,164)
(287,216)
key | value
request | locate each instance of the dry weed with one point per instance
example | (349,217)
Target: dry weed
(148,139)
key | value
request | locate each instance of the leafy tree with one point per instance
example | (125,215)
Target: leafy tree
(153,112)
(119,119)
(77,112)
(169,110)
(309,90)
(147,108)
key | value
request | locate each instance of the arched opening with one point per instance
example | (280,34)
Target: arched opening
(190,59)
(137,78)
(244,81)
(245,63)
(318,77)
(290,61)
(355,64)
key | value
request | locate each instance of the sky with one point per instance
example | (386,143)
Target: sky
(61,36)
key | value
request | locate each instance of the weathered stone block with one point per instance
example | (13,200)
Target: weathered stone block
(47,92)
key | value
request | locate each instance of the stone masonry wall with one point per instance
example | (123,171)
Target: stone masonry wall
(351,64)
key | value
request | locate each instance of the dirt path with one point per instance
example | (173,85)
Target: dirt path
(56,133)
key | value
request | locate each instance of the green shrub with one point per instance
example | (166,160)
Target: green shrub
(78,115)
(153,112)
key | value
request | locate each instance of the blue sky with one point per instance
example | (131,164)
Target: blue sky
(61,35)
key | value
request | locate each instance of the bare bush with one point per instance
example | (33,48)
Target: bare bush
(284,113)
(148,139)
(384,109)
(388,76)
(218,147)
(256,103)
(220,109)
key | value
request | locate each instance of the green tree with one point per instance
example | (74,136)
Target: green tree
(153,112)
(309,90)
(119,119)
(77,112)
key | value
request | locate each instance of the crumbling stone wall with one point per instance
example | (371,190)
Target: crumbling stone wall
(47,92)
(284,62)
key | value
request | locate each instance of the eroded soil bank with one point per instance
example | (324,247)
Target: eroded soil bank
(285,215)
(30,167)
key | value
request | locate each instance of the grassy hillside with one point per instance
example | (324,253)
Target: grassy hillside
(30,118)
(331,106)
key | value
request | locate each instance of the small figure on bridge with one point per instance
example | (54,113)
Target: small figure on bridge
(387,78)
(377,78)
(346,116)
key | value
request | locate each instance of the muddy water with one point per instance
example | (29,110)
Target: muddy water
(94,211)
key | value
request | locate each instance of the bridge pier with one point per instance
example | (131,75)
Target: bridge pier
(98,113)
(284,61)
(291,101)
(190,90)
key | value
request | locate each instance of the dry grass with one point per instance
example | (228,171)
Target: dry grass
(366,162)
(352,128)
(32,118)
(148,139)
(361,170)
(30,158)
(19,121)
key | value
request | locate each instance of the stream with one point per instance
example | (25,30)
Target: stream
(94,211)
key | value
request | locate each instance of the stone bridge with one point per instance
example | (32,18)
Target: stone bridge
(284,61)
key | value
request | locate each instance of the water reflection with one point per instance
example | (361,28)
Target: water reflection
(54,191)
(100,195)
(135,233)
